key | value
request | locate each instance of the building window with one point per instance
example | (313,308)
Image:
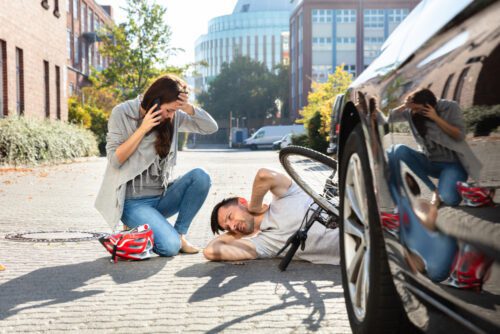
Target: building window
(76,60)
(69,41)
(83,16)
(56,9)
(345,40)
(322,15)
(90,20)
(3,79)
(19,81)
(345,15)
(58,92)
(374,40)
(460,85)
(85,62)
(397,15)
(447,86)
(374,18)
(46,86)
(75,9)
(71,89)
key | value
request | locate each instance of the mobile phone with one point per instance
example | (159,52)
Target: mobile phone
(156,101)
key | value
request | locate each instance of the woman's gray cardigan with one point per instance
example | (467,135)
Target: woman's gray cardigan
(121,125)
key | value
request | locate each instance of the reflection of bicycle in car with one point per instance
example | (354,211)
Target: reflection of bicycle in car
(316,174)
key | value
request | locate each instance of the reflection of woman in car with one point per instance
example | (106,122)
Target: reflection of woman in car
(438,128)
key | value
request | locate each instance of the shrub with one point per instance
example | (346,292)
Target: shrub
(300,140)
(99,126)
(76,113)
(316,140)
(482,120)
(322,97)
(32,141)
(90,117)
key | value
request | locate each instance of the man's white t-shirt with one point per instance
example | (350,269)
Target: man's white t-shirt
(283,218)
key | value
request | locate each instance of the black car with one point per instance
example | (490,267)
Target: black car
(390,260)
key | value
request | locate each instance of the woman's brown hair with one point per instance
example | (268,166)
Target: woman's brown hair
(422,97)
(166,89)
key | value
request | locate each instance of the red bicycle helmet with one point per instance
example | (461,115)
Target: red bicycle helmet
(475,196)
(469,268)
(135,244)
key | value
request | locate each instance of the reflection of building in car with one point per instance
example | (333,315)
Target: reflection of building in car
(390,260)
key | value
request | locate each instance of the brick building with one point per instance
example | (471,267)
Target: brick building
(32,59)
(47,49)
(325,34)
(84,19)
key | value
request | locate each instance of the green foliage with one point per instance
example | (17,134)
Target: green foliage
(139,49)
(91,115)
(322,97)
(482,120)
(247,89)
(300,140)
(77,114)
(99,126)
(316,140)
(32,141)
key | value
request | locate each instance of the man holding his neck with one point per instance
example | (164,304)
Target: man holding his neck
(257,230)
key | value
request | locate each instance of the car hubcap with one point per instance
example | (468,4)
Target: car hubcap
(356,237)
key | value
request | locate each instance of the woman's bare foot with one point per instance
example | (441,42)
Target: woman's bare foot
(427,213)
(187,247)
(414,261)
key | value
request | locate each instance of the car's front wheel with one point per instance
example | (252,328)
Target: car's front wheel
(372,303)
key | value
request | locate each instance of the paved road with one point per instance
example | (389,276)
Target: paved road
(61,287)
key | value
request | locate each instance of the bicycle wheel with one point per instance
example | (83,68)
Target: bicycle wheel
(315,173)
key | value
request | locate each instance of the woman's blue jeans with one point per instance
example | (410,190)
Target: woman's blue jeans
(185,197)
(447,173)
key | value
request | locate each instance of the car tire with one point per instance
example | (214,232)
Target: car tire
(363,258)
(253,147)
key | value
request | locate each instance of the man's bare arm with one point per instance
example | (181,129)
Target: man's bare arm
(227,247)
(267,180)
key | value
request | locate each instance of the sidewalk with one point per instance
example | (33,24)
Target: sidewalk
(72,286)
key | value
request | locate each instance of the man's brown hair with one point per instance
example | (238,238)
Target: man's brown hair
(214,222)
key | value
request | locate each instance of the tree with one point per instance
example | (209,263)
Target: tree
(139,49)
(321,100)
(281,85)
(244,87)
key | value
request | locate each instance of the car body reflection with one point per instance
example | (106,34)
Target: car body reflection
(444,268)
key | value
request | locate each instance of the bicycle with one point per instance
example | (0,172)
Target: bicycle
(316,174)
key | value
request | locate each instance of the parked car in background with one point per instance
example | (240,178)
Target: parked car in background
(283,142)
(267,135)
(392,265)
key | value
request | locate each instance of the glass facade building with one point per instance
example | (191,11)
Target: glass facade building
(256,28)
(326,34)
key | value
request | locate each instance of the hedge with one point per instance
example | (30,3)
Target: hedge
(29,141)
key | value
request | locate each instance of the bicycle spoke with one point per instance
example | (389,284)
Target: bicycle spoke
(317,177)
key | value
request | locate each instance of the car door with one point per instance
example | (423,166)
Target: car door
(458,60)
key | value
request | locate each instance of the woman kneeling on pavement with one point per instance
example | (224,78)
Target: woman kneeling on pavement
(141,151)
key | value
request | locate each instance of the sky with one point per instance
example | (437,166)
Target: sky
(188,19)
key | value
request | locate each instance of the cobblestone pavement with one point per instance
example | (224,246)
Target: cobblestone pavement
(72,286)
